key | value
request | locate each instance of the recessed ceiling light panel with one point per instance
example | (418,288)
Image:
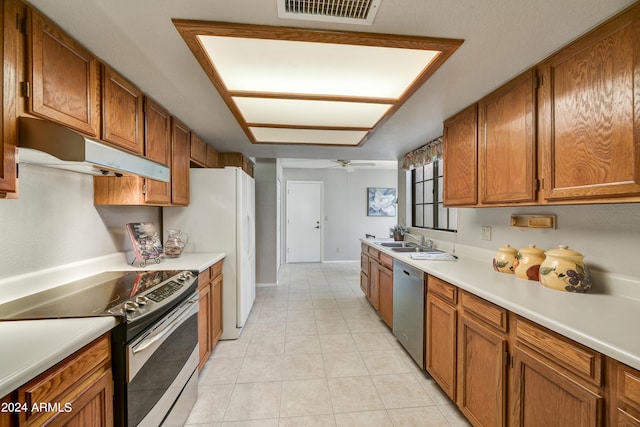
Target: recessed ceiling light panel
(307,136)
(284,66)
(323,87)
(298,112)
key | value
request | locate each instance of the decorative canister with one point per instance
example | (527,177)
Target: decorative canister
(563,269)
(504,259)
(528,262)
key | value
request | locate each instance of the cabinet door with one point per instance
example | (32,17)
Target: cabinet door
(374,285)
(212,157)
(216,310)
(460,158)
(122,110)
(204,324)
(506,152)
(9,41)
(180,152)
(590,114)
(198,150)
(441,333)
(64,76)
(385,281)
(627,400)
(481,373)
(157,147)
(92,407)
(543,396)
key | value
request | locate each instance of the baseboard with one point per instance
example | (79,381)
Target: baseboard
(266,285)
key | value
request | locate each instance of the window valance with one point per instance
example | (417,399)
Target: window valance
(428,153)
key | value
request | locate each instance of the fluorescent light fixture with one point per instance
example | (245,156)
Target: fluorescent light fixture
(299,86)
(308,136)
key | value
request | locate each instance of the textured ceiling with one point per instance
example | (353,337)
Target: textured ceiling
(502,38)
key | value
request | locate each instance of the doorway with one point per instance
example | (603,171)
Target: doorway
(304,221)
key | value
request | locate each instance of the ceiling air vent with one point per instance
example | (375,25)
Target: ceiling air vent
(344,11)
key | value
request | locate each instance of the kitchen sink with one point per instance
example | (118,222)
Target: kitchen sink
(398,244)
(417,249)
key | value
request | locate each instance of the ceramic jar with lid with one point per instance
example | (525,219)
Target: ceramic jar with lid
(564,269)
(504,259)
(527,264)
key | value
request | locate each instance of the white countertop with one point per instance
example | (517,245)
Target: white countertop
(607,323)
(30,347)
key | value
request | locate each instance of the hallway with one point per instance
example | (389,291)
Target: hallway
(315,353)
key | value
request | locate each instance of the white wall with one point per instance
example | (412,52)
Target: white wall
(54,222)
(345,207)
(266,222)
(608,235)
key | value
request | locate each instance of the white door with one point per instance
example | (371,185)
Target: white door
(304,221)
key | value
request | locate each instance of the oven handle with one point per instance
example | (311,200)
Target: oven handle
(166,330)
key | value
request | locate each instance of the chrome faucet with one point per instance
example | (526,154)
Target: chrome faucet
(427,243)
(418,238)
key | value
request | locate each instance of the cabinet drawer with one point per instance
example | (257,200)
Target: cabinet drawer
(490,313)
(629,386)
(374,253)
(386,260)
(55,384)
(364,264)
(216,269)
(443,289)
(204,278)
(573,357)
(364,248)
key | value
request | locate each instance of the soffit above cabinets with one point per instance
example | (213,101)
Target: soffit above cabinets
(311,87)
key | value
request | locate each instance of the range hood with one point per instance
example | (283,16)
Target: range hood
(49,144)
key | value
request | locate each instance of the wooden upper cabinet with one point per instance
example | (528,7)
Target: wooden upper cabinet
(460,158)
(507,143)
(180,154)
(122,105)
(157,147)
(198,151)
(212,157)
(590,114)
(64,78)
(9,39)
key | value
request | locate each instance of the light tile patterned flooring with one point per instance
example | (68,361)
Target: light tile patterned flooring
(315,353)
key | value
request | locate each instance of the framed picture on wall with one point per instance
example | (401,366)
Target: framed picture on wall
(381,201)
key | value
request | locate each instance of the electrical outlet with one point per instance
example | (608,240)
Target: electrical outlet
(485,232)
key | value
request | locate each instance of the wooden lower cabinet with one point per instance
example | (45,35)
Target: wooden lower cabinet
(624,386)
(385,305)
(204,318)
(482,373)
(545,396)
(79,390)
(216,310)
(210,311)
(374,284)
(376,281)
(441,321)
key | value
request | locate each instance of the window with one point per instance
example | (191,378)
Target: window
(428,207)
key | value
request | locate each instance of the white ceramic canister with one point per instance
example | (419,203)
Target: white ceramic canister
(527,264)
(564,269)
(504,259)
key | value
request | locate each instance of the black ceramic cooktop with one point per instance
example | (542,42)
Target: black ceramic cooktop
(88,297)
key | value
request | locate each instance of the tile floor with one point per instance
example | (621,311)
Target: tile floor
(315,353)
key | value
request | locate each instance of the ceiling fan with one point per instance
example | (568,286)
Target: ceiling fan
(349,166)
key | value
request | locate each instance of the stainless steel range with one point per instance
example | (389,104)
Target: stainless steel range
(155,345)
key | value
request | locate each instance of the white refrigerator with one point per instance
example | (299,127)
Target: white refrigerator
(221,218)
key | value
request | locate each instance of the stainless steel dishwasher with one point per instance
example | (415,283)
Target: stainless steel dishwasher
(408,309)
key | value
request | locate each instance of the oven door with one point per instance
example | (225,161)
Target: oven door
(160,363)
